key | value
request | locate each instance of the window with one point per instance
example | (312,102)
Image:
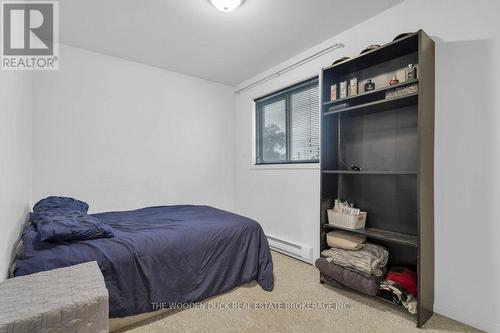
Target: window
(287,125)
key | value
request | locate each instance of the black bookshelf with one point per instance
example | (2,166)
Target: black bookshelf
(392,141)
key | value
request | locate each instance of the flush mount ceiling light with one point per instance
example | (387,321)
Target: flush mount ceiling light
(226,5)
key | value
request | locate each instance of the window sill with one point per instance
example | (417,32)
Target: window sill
(291,166)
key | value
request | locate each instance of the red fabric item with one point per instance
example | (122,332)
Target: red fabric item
(406,278)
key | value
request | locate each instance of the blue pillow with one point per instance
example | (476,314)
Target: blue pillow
(66,225)
(60,202)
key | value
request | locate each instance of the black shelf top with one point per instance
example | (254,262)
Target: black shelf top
(371,172)
(397,45)
(381,105)
(381,234)
(367,93)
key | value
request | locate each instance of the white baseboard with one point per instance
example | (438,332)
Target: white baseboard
(304,253)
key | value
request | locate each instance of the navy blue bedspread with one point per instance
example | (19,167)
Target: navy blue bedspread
(171,254)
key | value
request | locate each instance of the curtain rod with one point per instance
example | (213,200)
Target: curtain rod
(290,67)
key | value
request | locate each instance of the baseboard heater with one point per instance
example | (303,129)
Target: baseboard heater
(303,253)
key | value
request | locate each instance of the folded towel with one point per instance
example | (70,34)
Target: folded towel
(348,278)
(345,240)
(367,261)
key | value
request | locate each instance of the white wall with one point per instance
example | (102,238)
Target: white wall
(286,202)
(122,135)
(15,160)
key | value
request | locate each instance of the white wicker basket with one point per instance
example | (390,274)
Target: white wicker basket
(346,221)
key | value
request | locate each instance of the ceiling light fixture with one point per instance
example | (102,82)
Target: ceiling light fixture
(226,5)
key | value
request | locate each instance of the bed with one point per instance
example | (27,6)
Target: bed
(160,257)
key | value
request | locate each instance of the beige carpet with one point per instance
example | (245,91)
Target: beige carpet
(295,283)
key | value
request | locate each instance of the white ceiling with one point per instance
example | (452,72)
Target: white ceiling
(192,37)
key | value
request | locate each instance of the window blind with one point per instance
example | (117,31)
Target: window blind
(287,122)
(304,111)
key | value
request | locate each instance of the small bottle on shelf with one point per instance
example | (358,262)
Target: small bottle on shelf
(369,85)
(343,89)
(353,86)
(411,72)
(333,92)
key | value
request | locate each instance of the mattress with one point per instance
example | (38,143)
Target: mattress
(161,257)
